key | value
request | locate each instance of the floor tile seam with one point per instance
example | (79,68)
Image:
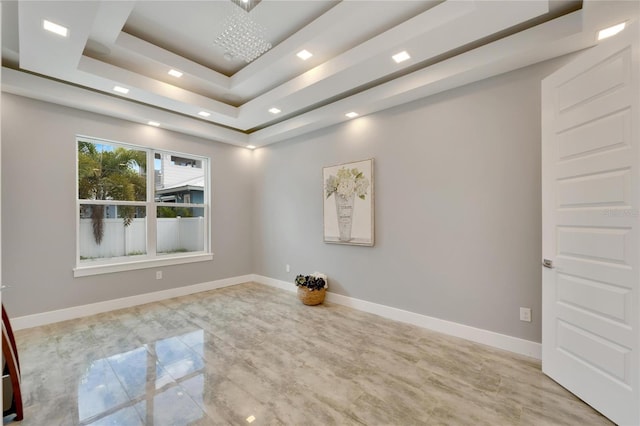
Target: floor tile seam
(60,353)
(386,402)
(181,378)
(221,403)
(185,315)
(163,388)
(481,406)
(274,413)
(189,348)
(133,401)
(364,374)
(329,401)
(396,358)
(151,352)
(122,385)
(268,380)
(500,385)
(445,407)
(88,421)
(563,394)
(347,410)
(97,342)
(447,370)
(462,380)
(527,404)
(418,389)
(132,343)
(440,404)
(499,394)
(502,391)
(259,373)
(203,407)
(49,337)
(351,415)
(493,410)
(258,398)
(188,394)
(275,410)
(225,340)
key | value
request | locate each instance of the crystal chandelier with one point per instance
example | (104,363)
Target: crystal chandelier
(242,37)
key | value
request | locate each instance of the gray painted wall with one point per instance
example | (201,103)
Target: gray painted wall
(38,208)
(457,205)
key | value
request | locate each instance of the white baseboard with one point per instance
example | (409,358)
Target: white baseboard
(272,282)
(502,341)
(50,317)
(490,338)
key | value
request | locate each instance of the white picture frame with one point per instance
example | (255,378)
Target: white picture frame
(348,195)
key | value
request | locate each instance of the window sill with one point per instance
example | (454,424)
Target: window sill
(87,270)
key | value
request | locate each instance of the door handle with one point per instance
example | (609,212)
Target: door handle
(547,263)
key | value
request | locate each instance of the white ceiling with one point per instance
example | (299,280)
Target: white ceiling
(135,43)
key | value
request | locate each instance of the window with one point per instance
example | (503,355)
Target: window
(129,218)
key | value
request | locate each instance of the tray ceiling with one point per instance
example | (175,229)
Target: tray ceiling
(133,44)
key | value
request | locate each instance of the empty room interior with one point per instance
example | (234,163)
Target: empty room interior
(360,212)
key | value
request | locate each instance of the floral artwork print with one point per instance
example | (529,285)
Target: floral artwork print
(348,203)
(347,182)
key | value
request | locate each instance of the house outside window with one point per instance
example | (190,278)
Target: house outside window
(130,218)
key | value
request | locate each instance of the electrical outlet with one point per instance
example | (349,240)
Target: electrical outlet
(525,314)
(158,275)
(287,268)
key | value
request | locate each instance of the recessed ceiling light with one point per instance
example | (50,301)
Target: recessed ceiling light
(175,73)
(55,28)
(121,89)
(153,123)
(251,146)
(352,114)
(274,110)
(611,31)
(204,113)
(401,57)
(304,54)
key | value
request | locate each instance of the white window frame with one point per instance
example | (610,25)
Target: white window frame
(151,259)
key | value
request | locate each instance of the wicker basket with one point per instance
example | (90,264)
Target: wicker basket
(311,297)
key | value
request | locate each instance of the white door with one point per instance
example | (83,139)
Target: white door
(591,219)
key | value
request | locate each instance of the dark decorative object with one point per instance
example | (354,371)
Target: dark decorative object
(312,288)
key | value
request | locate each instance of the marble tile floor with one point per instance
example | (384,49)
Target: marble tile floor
(252,354)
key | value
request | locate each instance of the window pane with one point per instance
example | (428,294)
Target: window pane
(179,179)
(180,229)
(108,231)
(111,172)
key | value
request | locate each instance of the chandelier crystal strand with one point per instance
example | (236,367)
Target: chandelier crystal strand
(242,37)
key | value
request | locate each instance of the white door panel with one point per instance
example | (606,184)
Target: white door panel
(605,76)
(594,297)
(601,134)
(591,219)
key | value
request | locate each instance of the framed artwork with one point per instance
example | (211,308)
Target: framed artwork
(348,203)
